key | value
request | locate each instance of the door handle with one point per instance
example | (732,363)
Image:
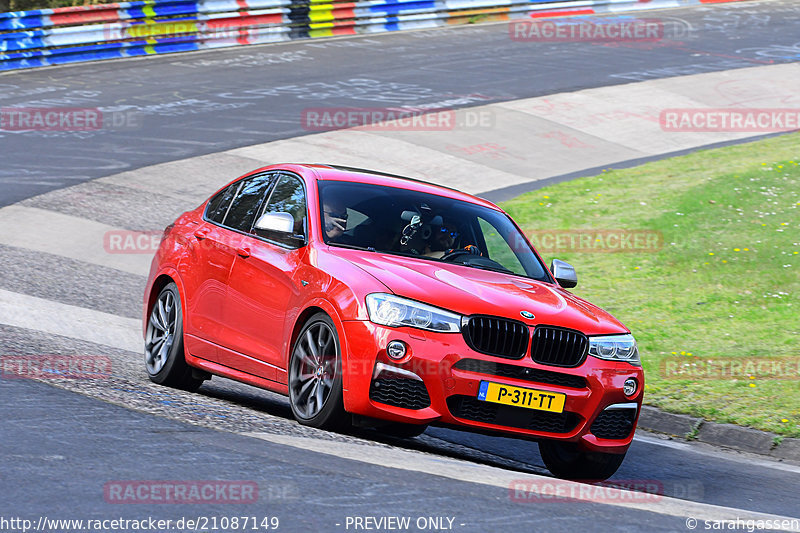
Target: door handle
(201,234)
(243,252)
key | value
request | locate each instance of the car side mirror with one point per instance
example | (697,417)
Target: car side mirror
(279,222)
(564,273)
(278,227)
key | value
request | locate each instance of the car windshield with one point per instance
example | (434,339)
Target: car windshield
(411,223)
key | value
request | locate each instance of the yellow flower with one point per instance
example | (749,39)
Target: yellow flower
(710,253)
(545,196)
(688,353)
(753,385)
(540,203)
(736,250)
(747,249)
(724,260)
(784,224)
(636,268)
(683,353)
(784,420)
(674,353)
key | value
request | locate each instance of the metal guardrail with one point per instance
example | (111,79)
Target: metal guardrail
(66,35)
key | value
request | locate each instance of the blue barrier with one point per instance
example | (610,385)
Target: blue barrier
(152,27)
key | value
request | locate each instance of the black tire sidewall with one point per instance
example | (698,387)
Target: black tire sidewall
(565,461)
(175,369)
(332,412)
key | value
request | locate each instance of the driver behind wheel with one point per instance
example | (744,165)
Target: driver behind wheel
(334,212)
(442,240)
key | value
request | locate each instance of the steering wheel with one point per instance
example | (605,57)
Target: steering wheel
(469,249)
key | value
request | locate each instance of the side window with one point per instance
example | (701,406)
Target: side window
(289,196)
(248,200)
(218,205)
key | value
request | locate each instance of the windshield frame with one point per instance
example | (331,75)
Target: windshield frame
(520,237)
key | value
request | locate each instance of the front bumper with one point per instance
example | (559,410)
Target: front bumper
(438,381)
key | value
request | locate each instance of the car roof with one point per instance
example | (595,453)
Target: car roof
(328,172)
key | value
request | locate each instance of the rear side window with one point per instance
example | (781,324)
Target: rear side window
(218,205)
(236,205)
(243,209)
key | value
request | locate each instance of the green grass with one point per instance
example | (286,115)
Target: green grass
(724,285)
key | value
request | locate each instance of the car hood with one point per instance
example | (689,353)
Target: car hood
(470,291)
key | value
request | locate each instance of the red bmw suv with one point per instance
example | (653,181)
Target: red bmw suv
(374,299)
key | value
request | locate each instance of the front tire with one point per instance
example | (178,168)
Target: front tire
(566,461)
(315,375)
(163,347)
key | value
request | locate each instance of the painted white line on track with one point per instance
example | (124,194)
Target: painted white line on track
(521,141)
(40,230)
(497,477)
(190,181)
(713,451)
(56,318)
(29,312)
(421,154)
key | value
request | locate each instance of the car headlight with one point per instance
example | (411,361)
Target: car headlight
(615,348)
(394,311)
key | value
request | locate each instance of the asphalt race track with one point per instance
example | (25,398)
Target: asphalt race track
(199,103)
(63,441)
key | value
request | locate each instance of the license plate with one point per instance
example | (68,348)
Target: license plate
(522,397)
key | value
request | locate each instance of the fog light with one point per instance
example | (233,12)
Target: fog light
(396,349)
(630,386)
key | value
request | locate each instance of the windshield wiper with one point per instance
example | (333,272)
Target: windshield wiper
(353,246)
(502,270)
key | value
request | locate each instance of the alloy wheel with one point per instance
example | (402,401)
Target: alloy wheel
(313,369)
(160,332)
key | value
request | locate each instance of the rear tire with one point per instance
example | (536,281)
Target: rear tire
(163,348)
(564,460)
(315,376)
